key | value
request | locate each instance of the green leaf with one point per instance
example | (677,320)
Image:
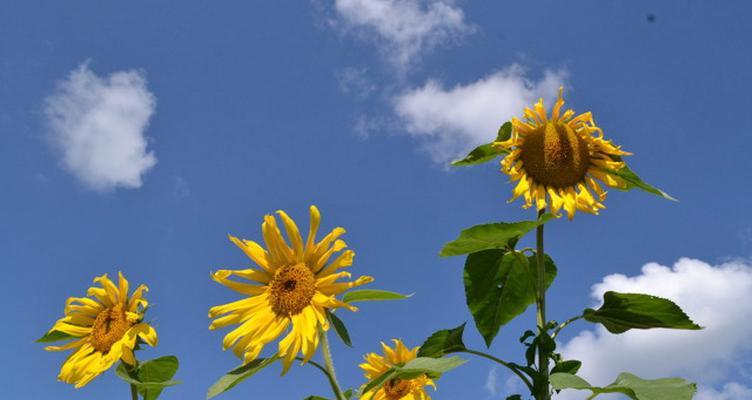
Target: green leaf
(443,342)
(150,377)
(569,367)
(315,398)
(372,295)
(55,336)
(634,181)
(499,286)
(431,367)
(234,377)
(514,397)
(500,235)
(634,387)
(348,393)
(486,152)
(339,327)
(621,312)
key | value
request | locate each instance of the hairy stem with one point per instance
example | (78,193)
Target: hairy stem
(330,367)
(543,392)
(564,325)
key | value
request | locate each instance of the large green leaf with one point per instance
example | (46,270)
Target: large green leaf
(238,375)
(443,342)
(372,295)
(151,377)
(500,235)
(431,367)
(621,312)
(499,286)
(486,152)
(633,386)
(55,336)
(339,327)
(633,181)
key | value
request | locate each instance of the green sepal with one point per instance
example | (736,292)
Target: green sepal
(431,367)
(55,336)
(372,295)
(621,312)
(237,375)
(443,342)
(150,377)
(339,327)
(631,385)
(487,152)
(500,235)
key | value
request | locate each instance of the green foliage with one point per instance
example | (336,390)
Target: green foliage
(443,342)
(634,181)
(234,377)
(487,152)
(150,377)
(499,286)
(500,235)
(621,312)
(55,336)
(634,387)
(569,367)
(372,295)
(339,327)
(316,398)
(431,367)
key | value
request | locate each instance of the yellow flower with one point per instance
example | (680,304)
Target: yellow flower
(559,158)
(293,288)
(394,389)
(106,326)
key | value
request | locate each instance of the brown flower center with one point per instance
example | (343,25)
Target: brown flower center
(292,289)
(109,327)
(555,155)
(396,388)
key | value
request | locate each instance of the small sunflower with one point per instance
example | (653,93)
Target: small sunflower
(394,389)
(560,158)
(106,326)
(293,288)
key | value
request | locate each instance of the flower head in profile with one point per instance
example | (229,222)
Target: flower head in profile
(103,328)
(288,293)
(394,389)
(557,161)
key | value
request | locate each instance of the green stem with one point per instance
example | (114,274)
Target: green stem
(564,325)
(134,392)
(330,367)
(332,381)
(504,363)
(543,392)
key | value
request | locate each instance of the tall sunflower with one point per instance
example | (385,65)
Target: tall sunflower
(105,327)
(291,290)
(560,158)
(394,389)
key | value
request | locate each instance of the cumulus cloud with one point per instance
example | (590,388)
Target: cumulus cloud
(451,121)
(403,29)
(716,297)
(99,126)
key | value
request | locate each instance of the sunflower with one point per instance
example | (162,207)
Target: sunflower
(105,328)
(290,292)
(560,158)
(394,389)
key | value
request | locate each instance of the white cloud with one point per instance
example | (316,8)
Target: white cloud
(451,121)
(99,124)
(716,297)
(404,28)
(492,383)
(354,81)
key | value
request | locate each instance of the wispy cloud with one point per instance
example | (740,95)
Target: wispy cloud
(99,126)
(450,121)
(403,29)
(355,82)
(716,297)
(492,383)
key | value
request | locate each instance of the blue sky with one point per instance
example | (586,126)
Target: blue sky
(266,106)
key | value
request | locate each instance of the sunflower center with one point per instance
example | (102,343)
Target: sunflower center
(396,389)
(555,155)
(109,327)
(292,289)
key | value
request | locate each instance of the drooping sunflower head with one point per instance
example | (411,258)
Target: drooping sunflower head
(394,389)
(556,161)
(103,328)
(296,282)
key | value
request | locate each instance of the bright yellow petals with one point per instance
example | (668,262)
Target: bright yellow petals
(288,294)
(554,160)
(105,326)
(376,365)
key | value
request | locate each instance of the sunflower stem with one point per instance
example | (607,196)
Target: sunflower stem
(326,351)
(543,392)
(134,392)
